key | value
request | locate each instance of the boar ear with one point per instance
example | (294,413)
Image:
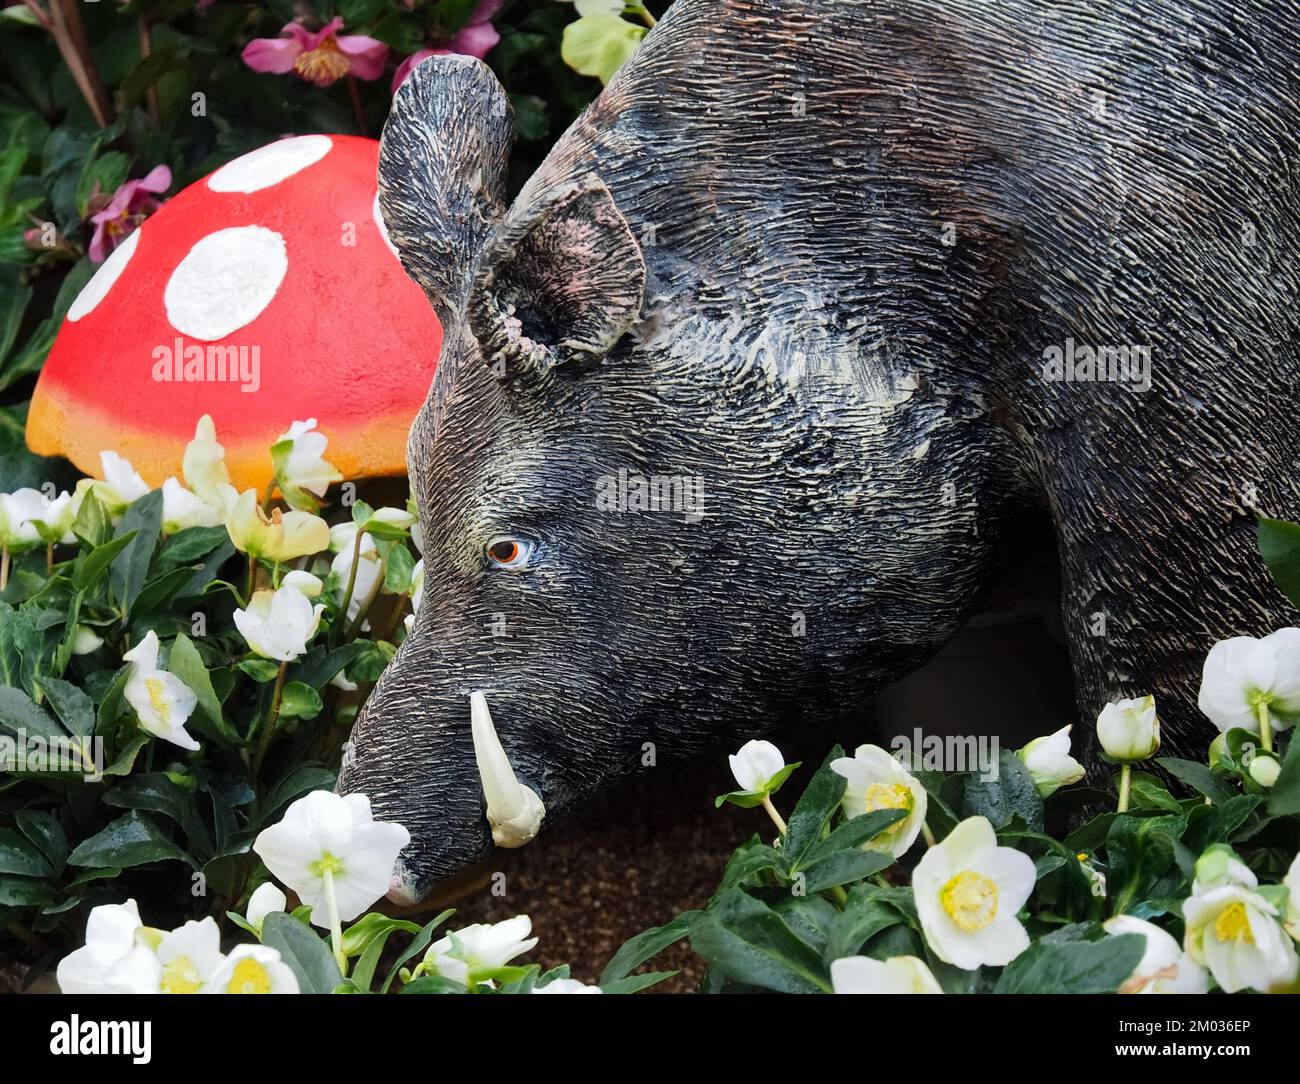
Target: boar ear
(562,282)
(442,170)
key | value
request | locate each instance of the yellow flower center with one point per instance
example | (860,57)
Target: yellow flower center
(324,64)
(158,697)
(887,796)
(249,977)
(971,900)
(327,863)
(1233,924)
(181,977)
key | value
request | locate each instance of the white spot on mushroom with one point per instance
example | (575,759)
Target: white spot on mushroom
(225,281)
(378,216)
(270,164)
(109,271)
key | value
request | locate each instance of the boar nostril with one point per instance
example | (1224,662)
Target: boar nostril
(514,811)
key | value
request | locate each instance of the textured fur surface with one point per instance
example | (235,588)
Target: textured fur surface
(811,258)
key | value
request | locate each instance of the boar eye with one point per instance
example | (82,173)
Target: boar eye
(512,554)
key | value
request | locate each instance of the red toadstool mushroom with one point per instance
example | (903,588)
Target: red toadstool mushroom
(264,293)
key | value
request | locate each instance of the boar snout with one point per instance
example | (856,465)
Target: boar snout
(433,762)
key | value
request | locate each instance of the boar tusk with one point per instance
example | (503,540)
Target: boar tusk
(514,811)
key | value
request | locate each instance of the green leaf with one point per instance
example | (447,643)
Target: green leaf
(1141,852)
(814,810)
(1279,545)
(185,662)
(44,830)
(1197,776)
(191,545)
(299,780)
(1284,798)
(260,670)
(18,856)
(306,955)
(753,944)
(418,944)
(868,910)
(634,984)
(13,286)
(155,792)
(131,840)
(844,868)
(1012,793)
(23,892)
(359,936)
(19,715)
(320,666)
(1075,967)
(130,568)
(89,569)
(637,950)
(73,707)
(299,701)
(433,984)
(91,527)
(853,834)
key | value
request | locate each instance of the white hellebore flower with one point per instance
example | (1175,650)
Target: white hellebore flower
(182,509)
(897,975)
(204,463)
(111,961)
(310,586)
(478,948)
(417,593)
(755,765)
(266,899)
(878,781)
(1049,762)
(968,890)
(253,969)
(302,469)
(85,640)
(122,483)
(1292,883)
(1163,969)
(1244,678)
(1236,933)
(278,624)
(190,956)
(567,986)
(599,7)
(370,569)
(330,844)
(1220,865)
(20,511)
(161,700)
(1129,729)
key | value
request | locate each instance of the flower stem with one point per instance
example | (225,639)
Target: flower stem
(49,557)
(347,592)
(252,577)
(358,110)
(336,927)
(1265,727)
(639,9)
(272,717)
(928,834)
(781,826)
(4,568)
(1125,777)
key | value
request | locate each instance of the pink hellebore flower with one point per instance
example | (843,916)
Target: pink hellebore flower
(475,38)
(128,207)
(321,57)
